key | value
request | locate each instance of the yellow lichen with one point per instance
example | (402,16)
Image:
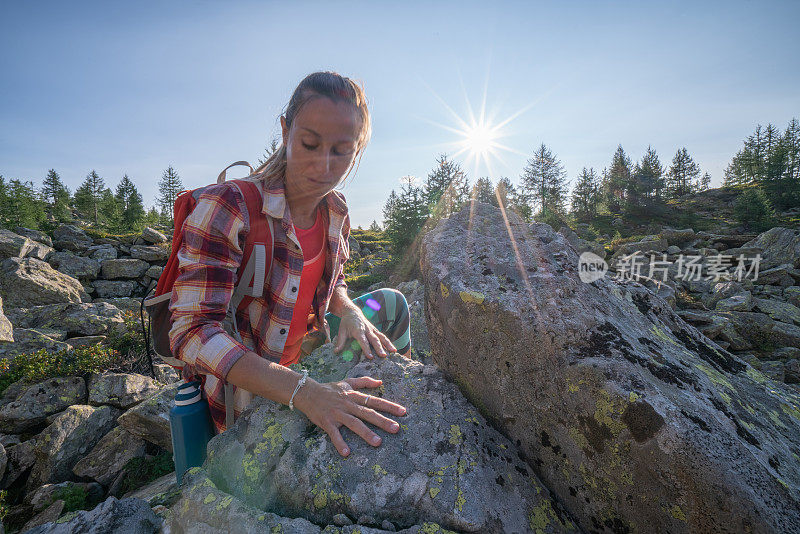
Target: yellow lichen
(677,513)
(209,498)
(455,435)
(434,492)
(444,290)
(460,500)
(472,297)
(379,471)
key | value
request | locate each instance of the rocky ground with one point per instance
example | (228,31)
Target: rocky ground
(536,403)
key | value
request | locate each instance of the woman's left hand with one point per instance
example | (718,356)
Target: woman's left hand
(354,325)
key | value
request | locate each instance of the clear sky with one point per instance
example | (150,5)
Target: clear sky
(133,87)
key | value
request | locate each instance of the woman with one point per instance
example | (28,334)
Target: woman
(325,126)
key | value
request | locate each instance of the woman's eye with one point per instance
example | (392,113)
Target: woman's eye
(307,147)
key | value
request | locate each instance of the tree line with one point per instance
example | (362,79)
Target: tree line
(118,211)
(766,171)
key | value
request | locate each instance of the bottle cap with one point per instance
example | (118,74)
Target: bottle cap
(188,393)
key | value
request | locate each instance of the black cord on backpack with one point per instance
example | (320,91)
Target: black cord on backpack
(146,333)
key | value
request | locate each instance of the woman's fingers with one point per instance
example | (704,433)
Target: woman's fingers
(337,439)
(387,343)
(357,425)
(375,403)
(376,343)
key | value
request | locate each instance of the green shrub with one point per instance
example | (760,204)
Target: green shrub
(74,497)
(142,471)
(41,365)
(754,210)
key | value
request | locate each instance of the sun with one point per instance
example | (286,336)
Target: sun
(479,135)
(480,139)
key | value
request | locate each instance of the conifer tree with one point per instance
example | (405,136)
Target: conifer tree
(57,195)
(648,179)
(130,202)
(169,187)
(405,215)
(20,204)
(483,191)
(705,182)
(446,188)
(512,200)
(617,181)
(543,182)
(270,150)
(682,174)
(89,195)
(585,196)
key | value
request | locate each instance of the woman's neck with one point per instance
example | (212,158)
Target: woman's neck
(303,212)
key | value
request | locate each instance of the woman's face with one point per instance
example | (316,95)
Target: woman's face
(320,146)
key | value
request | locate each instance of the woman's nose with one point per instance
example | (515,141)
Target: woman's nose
(322,164)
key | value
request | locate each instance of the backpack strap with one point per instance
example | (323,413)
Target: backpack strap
(223,174)
(257,267)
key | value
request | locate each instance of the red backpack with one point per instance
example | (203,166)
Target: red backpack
(251,275)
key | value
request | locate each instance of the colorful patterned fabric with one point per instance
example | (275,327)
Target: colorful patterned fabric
(214,235)
(387,309)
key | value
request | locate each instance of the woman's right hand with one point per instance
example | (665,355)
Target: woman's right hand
(329,405)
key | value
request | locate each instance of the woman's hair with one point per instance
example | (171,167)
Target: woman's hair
(334,86)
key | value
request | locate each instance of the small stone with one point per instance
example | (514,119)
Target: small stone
(341,520)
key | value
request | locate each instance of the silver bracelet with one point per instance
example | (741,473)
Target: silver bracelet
(299,385)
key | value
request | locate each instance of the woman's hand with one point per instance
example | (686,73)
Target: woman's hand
(354,325)
(330,405)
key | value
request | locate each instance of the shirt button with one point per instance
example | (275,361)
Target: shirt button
(294,289)
(283,330)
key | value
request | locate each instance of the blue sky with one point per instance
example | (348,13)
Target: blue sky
(124,87)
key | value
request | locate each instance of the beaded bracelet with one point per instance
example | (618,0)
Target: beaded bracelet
(299,385)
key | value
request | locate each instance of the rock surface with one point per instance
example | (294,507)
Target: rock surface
(444,466)
(634,419)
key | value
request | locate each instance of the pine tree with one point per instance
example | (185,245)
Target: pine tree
(446,188)
(512,200)
(682,174)
(131,204)
(648,178)
(169,187)
(57,195)
(405,215)
(374,227)
(705,182)
(110,210)
(543,182)
(616,183)
(20,204)
(89,195)
(585,196)
(483,191)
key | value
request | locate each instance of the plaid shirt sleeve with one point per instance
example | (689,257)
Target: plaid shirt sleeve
(207,263)
(344,254)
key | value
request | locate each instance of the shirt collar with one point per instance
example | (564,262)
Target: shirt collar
(275,204)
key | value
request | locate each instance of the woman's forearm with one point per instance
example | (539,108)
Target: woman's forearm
(269,380)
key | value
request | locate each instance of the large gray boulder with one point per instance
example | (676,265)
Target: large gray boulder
(32,340)
(122,390)
(445,465)
(29,408)
(632,418)
(30,282)
(110,455)
(124,268)
(149,419)
(113,516)
(13,245)
(72,238)
(75,266)
(72,434)
(779,246)
(77,319)
(6,329)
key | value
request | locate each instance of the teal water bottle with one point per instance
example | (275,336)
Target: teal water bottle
(191,426)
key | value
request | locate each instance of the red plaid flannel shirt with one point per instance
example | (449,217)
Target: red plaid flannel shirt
(213,244)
